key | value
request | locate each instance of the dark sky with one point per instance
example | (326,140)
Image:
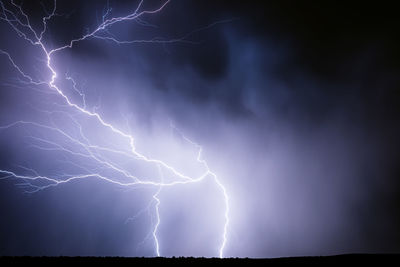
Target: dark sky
(296,105)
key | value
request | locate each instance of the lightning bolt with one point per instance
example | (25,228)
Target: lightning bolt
(81,146)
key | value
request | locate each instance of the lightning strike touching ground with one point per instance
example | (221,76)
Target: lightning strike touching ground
(81,146)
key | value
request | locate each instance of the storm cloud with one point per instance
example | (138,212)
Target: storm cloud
(295,106)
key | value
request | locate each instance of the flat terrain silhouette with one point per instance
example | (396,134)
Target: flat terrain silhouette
(339,259)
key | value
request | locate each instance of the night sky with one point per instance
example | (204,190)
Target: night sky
(295,104)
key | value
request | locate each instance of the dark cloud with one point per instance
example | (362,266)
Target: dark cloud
(295,103)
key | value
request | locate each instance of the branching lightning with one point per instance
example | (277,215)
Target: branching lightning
(81,146)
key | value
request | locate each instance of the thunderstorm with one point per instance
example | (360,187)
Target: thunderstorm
(110,162)
(186,129)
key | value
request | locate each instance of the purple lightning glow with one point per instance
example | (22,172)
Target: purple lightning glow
(82,146)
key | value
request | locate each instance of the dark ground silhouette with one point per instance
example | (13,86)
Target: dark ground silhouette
(334,260)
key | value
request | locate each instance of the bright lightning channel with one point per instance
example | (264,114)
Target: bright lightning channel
(19,21)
